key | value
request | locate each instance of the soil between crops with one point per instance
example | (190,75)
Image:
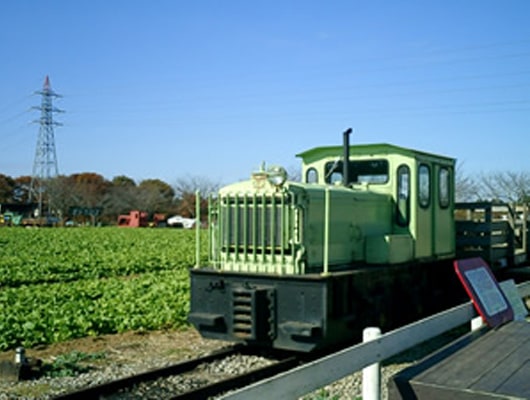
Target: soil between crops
(128,347)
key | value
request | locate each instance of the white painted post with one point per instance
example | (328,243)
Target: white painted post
(371,373)
(20,356)
(477,323)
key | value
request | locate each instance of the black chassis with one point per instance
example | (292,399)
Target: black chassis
(314,311)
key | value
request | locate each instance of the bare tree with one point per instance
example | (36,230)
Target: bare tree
(193,183)
(466,187)
(121,196)
(185,189)
(61,193)
(507,186)
(155,195)
(294,173)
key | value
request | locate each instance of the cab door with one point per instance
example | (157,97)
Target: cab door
(424,211)
(443,223)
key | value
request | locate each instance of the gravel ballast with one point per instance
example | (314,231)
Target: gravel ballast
(131,353)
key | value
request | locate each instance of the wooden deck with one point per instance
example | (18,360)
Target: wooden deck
(490,365)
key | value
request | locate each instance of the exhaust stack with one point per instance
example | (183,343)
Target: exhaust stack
(346,161)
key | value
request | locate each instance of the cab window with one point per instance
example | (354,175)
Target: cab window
(443,190)
(366,171)
(403,196)
(311,176)
(424,185)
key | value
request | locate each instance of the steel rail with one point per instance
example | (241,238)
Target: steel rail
(96,391)
(239,381)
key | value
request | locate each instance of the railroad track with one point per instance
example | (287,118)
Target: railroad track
(126,387)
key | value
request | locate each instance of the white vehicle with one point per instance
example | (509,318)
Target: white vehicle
(180,221)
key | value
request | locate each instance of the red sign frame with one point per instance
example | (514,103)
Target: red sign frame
(484,290)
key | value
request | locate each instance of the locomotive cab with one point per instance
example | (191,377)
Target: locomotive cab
(420,185)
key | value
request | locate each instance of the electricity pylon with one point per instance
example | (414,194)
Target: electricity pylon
(45,163)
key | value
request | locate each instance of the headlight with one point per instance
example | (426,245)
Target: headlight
(276,175)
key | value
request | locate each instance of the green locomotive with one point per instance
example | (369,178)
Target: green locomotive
(365,239)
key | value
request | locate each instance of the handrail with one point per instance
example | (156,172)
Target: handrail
(197,229)
(325,246)
(310,377)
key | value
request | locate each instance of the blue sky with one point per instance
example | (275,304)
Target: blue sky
(170,89)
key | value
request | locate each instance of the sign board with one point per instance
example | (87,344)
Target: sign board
(483,289)
(514,298)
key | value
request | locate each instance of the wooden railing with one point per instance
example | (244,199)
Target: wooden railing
(495,232)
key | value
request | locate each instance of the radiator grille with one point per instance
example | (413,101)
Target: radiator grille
(257,224)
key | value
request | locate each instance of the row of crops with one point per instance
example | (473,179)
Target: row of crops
(60,284)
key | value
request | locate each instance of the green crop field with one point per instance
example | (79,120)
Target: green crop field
(64,283)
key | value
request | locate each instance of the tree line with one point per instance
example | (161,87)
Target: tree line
(121,194)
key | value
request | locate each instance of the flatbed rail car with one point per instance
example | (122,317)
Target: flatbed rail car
(367,238)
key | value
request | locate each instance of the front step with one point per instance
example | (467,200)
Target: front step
(253,313)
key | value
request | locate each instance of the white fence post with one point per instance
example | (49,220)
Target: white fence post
(477,323)
(371,373)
